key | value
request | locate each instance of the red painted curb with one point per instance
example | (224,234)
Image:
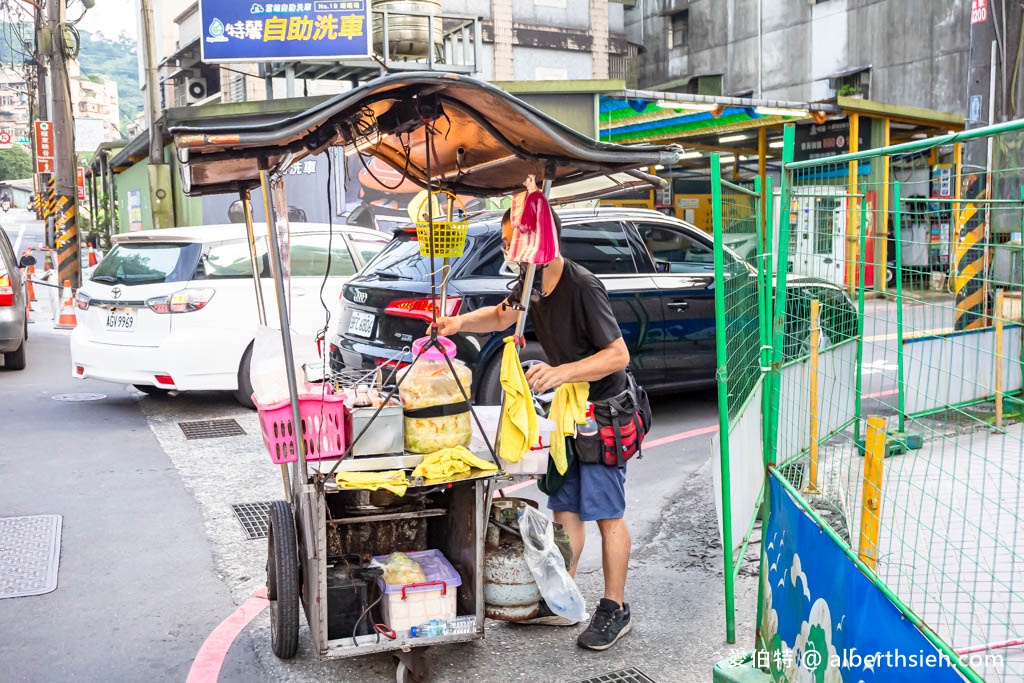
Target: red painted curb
(210,658)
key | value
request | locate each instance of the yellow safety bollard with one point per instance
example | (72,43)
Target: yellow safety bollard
(998,320)
(812,479)
(871,506)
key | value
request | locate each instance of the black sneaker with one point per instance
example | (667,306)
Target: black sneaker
(609,623)
(545,617)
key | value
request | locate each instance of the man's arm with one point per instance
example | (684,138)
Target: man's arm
(612,358)
(482,320)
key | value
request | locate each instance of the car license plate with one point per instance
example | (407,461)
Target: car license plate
(121,320)
(361,324)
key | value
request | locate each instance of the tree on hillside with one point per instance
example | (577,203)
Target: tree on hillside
(15,163)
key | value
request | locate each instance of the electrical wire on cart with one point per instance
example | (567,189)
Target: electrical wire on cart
(381,629)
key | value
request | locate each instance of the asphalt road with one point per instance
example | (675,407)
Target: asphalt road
(137,589)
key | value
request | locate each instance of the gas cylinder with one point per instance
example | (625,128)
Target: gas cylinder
(510,593)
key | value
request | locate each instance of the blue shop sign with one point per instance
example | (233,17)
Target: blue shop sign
(246,31)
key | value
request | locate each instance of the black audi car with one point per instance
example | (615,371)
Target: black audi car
(659,273)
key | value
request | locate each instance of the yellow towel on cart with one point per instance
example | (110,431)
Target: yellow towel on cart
(392,480)
(518,418)
(450,461)
(568,409)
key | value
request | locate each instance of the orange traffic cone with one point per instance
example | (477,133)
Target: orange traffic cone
(30,274)
(67,319)
(92,256)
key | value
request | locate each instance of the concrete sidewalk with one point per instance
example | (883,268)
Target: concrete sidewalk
(950,544)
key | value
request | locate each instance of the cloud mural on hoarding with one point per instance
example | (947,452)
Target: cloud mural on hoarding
(824,621)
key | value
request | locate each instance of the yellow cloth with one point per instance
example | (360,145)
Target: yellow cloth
(450,461)
(568,409)
(392,480)
(518,419)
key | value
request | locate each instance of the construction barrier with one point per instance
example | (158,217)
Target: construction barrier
(890,426)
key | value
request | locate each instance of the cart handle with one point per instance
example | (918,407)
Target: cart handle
(442,584)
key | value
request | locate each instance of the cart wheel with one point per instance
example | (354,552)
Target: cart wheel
(414,667)
(283,580)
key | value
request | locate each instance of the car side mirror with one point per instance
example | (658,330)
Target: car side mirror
(26,261)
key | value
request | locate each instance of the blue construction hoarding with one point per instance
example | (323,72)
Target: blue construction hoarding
(246,31)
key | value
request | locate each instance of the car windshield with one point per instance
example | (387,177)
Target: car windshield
(145,264)
(401,258)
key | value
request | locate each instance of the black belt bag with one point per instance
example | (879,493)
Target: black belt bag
(622,421)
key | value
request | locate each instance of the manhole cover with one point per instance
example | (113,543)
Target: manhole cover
(253,518)
(211,429)
(78,397)
(624,676)
(29,555)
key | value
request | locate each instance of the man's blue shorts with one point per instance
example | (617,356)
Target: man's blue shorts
(592,491)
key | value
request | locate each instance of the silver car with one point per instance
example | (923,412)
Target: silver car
(13,305)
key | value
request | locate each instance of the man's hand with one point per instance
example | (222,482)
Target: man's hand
(543,377)
(446,327)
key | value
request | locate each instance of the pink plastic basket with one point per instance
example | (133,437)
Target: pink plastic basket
(323,427)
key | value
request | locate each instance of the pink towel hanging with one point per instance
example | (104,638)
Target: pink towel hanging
(534,239)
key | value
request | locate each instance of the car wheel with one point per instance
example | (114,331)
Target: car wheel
(489,391)
(150,390)
(16,360)
(244,392)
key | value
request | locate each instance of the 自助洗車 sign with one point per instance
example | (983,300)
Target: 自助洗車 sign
(247,31)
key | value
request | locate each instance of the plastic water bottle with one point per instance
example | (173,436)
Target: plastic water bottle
(588,428)
(434,627)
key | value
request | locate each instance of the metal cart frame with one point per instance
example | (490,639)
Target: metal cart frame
(382,118)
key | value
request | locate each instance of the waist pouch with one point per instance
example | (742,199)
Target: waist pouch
(622,421)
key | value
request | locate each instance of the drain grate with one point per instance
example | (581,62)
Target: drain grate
(253,518)
(29,555)
(211,429)
(630,675)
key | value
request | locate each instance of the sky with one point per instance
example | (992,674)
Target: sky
(107,17)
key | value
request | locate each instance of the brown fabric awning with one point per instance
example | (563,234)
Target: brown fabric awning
(484,141)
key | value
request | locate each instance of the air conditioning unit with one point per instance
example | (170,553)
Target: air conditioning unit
(196,89)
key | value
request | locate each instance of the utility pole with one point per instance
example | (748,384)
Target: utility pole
(161,199)
(971,293)
(38,112)
(65,226)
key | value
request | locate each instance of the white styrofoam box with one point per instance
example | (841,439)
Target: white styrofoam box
(406,606)
(535,461)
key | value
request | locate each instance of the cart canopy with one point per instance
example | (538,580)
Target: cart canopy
(483,141)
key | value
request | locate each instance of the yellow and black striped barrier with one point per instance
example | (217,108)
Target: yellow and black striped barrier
(65,239)
(970,285)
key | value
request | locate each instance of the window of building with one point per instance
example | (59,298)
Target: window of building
(679,33)
(851,83)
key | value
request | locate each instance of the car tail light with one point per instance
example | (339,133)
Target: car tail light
(388,363)
(6,291)
(164,379)
(79,370)
(82,300)
(423,308)
(185,301)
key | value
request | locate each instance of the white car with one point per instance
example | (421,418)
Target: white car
(175,309)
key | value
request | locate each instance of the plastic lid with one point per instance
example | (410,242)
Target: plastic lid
(436,567)
(433,353)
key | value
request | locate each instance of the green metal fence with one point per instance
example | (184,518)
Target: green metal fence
(894,293)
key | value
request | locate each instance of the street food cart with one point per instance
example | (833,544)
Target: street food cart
(453,136)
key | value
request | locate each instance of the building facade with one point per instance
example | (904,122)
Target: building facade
(95,106)
(14,106)
(906,52)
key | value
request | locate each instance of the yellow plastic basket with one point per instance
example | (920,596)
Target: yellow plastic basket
(449,236)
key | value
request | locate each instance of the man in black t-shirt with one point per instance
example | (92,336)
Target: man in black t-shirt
(575,326)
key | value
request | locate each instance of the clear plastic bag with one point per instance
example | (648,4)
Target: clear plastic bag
(266,367)
(548,566)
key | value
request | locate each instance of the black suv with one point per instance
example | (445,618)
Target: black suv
(659,272)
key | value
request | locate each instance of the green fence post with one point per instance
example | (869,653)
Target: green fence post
(723,396)
(901,397)
(779,307)
(858,380)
